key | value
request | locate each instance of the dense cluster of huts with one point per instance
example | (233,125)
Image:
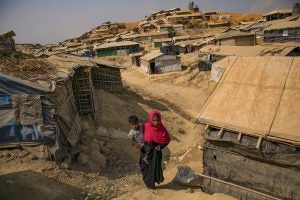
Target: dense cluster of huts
(167,31)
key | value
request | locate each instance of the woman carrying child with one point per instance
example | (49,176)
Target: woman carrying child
(156,137)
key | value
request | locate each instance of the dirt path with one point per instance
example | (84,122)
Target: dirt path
(177,89)
(184,98)
(35,186)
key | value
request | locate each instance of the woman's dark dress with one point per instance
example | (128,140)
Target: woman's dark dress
(152,172)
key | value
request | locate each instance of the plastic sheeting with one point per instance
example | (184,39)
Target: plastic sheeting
(18,126)
(5,101)
(66,113)
(257,96)
(22,113)
(263,177)
(271,152)
(273,168)
(9,85)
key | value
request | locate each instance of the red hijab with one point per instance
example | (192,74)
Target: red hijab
(159,133)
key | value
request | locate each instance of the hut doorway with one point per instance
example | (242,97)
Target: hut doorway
(152,67)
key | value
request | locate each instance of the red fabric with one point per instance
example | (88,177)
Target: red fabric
(158,134)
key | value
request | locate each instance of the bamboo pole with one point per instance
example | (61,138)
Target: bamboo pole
(237,186)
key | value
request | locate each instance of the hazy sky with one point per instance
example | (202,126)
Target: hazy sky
(50,21)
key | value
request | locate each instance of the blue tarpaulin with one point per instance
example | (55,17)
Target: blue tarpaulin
(11,128)
(9,85)
(5,101)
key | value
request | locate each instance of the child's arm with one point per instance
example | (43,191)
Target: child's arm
(148,148)
(134,143)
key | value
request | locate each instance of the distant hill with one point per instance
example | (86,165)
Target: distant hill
(244,17)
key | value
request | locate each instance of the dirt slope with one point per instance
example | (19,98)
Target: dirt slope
(185,91)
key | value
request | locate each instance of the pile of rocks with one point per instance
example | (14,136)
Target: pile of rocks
(95,150)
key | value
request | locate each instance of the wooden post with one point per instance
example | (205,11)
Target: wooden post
(258,142)
(240,136)
(220,133)
(206,127)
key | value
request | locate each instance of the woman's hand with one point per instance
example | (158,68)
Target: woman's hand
(146,160)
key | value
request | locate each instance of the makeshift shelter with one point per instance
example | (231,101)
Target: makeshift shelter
(165,27)
(296,9)
(252,141)
(277,14)
(209,14)
(283,31)
(47,115)
(181,38)
(235,38)
(157,43)
(260,26)
(117,48)
(157,62)
(7,42)
(247,51)
(191,45)
(153,35)
(218,24)
(134,59)
(178,27)
(182,19)
(32,115)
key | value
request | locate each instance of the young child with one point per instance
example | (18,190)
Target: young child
(136,134)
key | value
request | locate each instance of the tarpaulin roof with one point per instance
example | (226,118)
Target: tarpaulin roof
(10,85)
(258,50)
(152,55)
(258,96)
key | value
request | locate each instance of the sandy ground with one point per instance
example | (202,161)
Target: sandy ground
(186,91)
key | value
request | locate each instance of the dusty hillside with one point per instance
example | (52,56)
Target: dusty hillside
(131,25)
(185,91)
(243,17)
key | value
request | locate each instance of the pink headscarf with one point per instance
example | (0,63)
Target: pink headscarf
(159,133)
